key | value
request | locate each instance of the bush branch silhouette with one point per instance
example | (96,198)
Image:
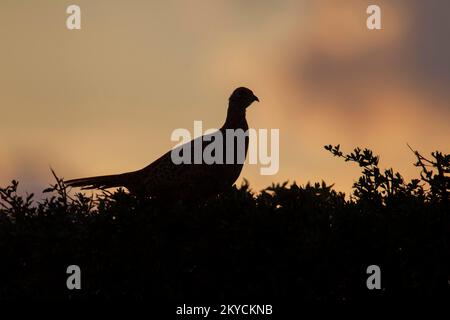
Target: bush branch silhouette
(306,242)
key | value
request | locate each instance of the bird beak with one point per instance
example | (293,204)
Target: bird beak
(255,98)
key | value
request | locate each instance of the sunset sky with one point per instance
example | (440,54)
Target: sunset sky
(105,99)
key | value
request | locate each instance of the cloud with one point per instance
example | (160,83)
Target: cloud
(339,59)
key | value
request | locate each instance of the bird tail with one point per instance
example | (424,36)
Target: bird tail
(100,182)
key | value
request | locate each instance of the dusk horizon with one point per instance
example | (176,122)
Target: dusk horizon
(233,158)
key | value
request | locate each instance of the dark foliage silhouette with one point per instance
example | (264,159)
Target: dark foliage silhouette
(289,241)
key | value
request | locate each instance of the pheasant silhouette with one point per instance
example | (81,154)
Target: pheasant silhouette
(164,179)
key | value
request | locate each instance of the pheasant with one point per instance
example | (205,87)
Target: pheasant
(165,179)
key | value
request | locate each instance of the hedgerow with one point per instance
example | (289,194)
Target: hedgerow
(307,242)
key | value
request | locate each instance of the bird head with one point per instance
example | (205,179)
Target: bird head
(242,98)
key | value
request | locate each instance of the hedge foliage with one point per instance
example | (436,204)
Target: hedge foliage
(304,242)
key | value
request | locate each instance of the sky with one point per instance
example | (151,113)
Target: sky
(105,99)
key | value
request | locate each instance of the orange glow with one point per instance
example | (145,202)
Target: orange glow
(105,99)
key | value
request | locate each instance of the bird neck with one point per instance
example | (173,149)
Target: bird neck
(235,119)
